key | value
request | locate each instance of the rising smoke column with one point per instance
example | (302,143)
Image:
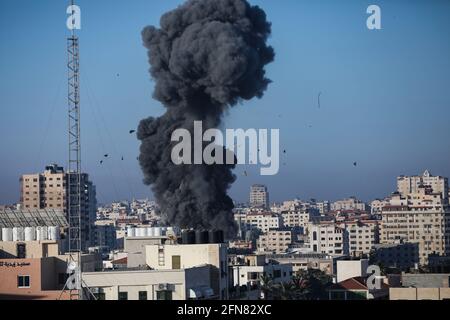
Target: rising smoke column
(207,56)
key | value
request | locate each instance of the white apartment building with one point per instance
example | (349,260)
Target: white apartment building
(348,204)
(327,237)
(185,256)
(275,241)
(263,221)
(259,196)
(421,217)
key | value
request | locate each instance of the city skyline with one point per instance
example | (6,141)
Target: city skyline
(374,110)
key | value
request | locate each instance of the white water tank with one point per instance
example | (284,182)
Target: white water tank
(157,232)
(41,233)
(30,233)
(53,233)
(150,232)
(163,231)
(7,234)
(18,234)
(131,232)
(142,232)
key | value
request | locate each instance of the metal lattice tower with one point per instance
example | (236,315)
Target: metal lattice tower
(74,164)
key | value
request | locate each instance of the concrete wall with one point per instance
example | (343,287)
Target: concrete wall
(34,249)
(113,282)
(419,293)
(135,247)
(347,269)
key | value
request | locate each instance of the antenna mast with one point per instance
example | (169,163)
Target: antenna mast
(74,164)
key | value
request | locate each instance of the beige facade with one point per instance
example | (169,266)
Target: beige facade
(259,196)
(409,185)
(275,241)
(362,236)
(419,293)
(348,204)
(31,249)
(422,218)
(148,284)
(183,256)
(48,190)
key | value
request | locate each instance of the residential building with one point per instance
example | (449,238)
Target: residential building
(421,217)
(411,184)
(327,237)
(185,256)
(275,241)
(348,204)
(259,196)
(49,190)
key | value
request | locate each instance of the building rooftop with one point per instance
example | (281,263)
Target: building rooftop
(32,218)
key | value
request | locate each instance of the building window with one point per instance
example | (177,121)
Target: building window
(164,295)
(23,281)
(123,296)
(21,251)
(142,295)
(176,262)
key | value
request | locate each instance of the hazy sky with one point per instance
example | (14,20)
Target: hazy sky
(385,99)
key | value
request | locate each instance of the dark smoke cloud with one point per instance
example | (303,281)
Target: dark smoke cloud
(207,56)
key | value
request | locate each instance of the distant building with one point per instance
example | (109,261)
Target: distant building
(306,261)
(263,221)
(422,217)
(348,204)
(275,241)
(409,185)
(327,237)
(403,256)
(249,273)
(49,190)
(259,196)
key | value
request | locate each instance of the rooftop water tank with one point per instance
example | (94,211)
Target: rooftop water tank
(131,232)
(7,234)
(30,233)
(157,232)
(53,233)
(41,233)
(216,236)
(201,237)
(18,234)
(188,236)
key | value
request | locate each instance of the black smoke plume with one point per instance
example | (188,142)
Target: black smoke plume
(207,56)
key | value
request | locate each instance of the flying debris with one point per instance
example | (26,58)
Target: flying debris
(101,161)
(106,155)
(122,158)
(245,173)
(132,131)
(355,163)
(183,54)
(284,151)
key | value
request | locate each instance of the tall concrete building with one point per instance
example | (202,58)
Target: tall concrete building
(409,185)
(259,196)
(419,214)
(49,190)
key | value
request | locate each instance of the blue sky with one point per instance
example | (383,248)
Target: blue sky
(385,101)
